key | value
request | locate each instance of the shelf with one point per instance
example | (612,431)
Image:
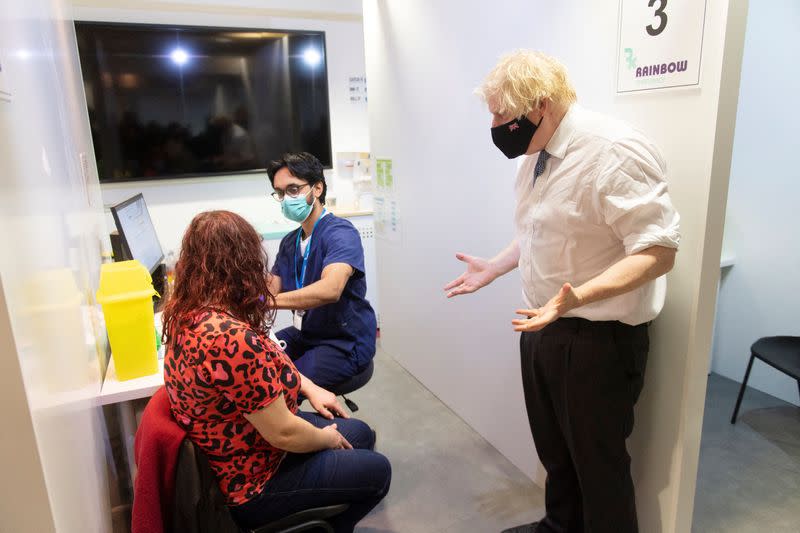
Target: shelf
(727,260)
(344,213)
(114,390)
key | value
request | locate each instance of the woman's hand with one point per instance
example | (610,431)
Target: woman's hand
(335,439)
(324,402)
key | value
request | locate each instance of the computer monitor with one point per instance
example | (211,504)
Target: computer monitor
(137,234)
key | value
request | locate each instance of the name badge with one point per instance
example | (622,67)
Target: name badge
(297,319)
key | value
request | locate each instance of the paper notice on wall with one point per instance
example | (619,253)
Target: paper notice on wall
(387,219)
(660,44)
(357,89)
(384,177)
(387,209)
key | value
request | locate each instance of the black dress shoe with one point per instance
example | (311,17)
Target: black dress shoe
(525,528)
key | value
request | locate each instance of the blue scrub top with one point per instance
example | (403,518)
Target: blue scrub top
(350,323)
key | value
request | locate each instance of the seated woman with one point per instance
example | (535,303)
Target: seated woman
(235,392)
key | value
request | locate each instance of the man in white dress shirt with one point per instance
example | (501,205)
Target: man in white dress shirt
(595,234)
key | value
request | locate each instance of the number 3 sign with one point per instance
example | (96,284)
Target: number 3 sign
(660,44)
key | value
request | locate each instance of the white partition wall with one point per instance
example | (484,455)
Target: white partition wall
(454,194)
(52,453)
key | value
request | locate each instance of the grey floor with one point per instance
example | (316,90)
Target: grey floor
(749,474)
(447,479)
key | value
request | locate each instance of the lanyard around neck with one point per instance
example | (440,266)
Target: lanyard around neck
(301,281)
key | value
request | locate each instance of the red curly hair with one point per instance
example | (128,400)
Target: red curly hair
(222,265)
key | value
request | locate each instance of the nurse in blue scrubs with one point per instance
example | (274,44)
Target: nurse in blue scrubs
(319,276)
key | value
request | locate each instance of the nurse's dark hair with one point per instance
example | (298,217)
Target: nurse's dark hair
(222,265)
(302,165)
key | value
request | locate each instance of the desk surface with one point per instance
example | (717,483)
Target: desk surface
(114,390)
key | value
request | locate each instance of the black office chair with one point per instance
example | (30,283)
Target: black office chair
(200,506)
(311,519)
(781,353)
(353,384)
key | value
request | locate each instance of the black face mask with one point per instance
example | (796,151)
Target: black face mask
(513,138)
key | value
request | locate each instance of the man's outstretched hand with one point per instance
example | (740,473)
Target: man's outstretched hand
(565,300)
(479,274)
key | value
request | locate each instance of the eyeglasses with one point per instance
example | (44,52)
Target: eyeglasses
(292,191)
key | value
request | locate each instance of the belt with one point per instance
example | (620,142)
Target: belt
(575,326)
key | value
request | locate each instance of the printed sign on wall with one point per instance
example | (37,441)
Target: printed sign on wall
(660,44)
(357,89)
(387,212)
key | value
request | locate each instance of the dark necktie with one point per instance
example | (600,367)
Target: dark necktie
(540,165)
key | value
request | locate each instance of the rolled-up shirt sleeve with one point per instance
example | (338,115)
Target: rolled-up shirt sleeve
(633,197)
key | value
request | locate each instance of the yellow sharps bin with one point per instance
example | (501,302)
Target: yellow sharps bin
(126,294)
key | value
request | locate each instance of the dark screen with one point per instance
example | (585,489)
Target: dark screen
(167,101)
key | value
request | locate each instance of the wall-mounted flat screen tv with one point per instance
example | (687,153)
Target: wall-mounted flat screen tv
(180,101)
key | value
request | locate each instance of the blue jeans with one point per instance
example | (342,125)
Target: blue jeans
(358,477)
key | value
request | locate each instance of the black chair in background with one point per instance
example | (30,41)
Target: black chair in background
(781,353)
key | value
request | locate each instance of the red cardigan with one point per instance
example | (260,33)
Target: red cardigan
(156,448)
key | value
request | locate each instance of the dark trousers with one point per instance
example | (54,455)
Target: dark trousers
(581,380)
(358,477)
(325,365)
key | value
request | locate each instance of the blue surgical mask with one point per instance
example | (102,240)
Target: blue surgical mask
(297,209)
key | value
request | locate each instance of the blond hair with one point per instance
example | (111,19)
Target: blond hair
(522,79)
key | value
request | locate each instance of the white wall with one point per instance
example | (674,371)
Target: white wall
(455,194)
(173,203)
(759,296)
(51,448)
